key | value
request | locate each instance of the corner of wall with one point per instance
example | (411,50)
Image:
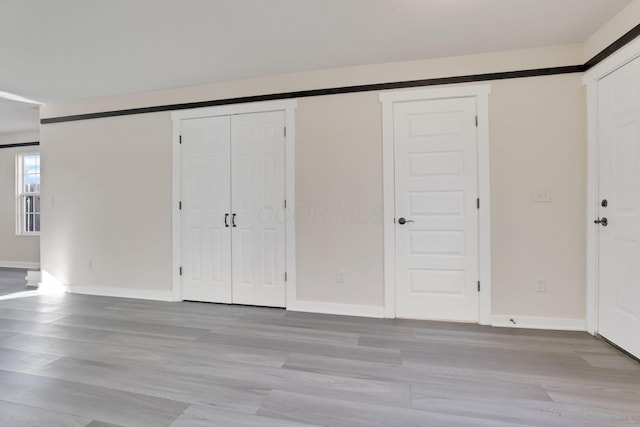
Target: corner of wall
(616,27)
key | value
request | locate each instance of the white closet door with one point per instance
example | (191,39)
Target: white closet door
(258,194)
(436,215)
(206,199)
(619,178)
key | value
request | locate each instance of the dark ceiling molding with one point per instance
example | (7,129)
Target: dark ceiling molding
(323,92)
(628,37)
(20,144)
(605,53)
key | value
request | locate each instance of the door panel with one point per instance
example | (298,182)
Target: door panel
(258,194)
(436,190)
(206,198)
(619,175)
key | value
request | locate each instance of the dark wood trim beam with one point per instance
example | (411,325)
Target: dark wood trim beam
(20,144)
(323,92)
(628,37)
(605,53)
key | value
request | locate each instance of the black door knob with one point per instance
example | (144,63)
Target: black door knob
(602,221)
(403,221)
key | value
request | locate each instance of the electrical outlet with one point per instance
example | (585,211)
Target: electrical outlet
(540,285)
(340,276)
(542,196)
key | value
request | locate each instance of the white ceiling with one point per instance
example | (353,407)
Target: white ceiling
(69,49)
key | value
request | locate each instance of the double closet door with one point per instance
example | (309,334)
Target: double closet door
(232,215)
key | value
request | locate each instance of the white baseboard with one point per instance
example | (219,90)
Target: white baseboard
(20,264)
(550,323)
(33,278)
(148,294)
(336,308)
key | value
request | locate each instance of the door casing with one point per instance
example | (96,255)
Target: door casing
(288,106)
(388,99)
(590,80)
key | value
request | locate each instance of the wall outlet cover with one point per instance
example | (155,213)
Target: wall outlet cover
(542,196)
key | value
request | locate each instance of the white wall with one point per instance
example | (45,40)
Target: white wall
(110,181)
(538,142)
(15,251)
(120,168)
(110,222)
(339,199)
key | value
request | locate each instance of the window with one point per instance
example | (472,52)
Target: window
(28,191)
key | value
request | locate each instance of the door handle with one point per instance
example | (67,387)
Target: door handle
(602,221)
(233,220)
(226,220)
(403,221)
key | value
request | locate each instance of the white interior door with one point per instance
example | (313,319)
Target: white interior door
(258,197)
(619,184)
(206,200)
(436,191)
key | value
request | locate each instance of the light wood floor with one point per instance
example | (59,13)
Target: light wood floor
(93,361)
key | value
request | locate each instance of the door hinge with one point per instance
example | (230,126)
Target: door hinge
(285,276)
(180,139)
(285,203)
(181,271)
(476,121)
(180,205)
(478,285)
(478,203)
(285,131)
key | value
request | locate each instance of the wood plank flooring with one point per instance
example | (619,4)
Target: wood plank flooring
(76,360)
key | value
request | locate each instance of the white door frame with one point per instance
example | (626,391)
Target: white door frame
(388,99)
(288,106)
(590,80)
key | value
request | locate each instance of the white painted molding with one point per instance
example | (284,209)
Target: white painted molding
(388,211)
(548,323)
(388,99)
(592,208)
(290,194)
(336,308)
(20,264)
(484,213)
(33,278)
(147,294)
(288,106)
(176,185)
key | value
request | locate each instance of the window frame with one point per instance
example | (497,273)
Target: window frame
(21,194)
